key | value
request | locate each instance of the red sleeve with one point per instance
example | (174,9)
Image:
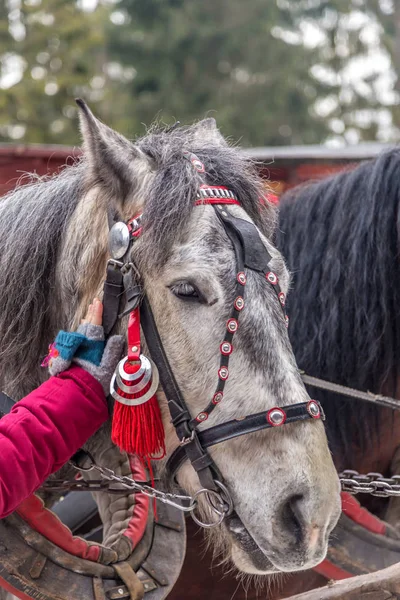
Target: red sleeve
(44,430)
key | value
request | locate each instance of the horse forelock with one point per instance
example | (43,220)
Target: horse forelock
(340,238)
(175,183)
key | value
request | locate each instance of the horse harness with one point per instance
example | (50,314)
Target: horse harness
(38,554)
(123,279)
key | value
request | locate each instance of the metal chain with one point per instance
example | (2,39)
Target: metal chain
(219,502)
(351,481)
(106,484)
(81,485)
(180,501)
(371,483)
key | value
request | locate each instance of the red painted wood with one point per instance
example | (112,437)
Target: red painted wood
(331,571)
(16,161)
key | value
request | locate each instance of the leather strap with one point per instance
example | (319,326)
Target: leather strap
(239,291)
(256,256)
(238,427)
(113,290)
(134,343)
(130,579)
(179,411)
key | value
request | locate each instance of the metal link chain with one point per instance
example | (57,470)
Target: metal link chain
(351,481)
(181,502)
(371,483)
(220,502)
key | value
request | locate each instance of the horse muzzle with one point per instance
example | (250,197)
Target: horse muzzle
(295,547)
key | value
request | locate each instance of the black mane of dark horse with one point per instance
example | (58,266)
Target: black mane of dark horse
(340,238)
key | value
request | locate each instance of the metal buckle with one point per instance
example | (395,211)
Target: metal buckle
(130,266)
(186,440)
(115,263)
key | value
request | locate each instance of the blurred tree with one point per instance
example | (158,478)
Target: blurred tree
(357,55)
(50,52)
(271,72)
(220,58)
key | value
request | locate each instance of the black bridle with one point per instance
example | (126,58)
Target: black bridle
(251,254)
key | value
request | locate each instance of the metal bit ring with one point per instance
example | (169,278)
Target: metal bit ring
(224,498)
(220,503)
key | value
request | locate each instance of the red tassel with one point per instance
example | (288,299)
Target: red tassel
(139,429)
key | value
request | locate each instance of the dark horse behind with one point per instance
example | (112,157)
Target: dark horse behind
(340,238)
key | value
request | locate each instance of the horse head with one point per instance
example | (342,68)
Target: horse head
(283,484)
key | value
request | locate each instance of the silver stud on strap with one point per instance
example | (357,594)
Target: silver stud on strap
(313,409)
(276,417)
(118,240)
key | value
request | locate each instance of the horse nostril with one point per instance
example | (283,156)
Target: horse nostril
(292,516)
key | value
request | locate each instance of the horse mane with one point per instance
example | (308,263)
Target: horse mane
(32,223)
(340,239)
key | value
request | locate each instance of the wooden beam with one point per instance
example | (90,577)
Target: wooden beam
(381,585)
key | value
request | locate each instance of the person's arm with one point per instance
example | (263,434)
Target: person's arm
(44,430)
(48,426)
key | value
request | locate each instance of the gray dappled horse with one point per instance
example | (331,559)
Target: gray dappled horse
(53,254)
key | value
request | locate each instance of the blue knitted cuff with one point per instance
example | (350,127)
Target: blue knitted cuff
(70,344)
(91,350)
(67,343)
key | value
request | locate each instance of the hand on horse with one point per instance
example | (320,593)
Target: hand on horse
(44,429)
(87,348)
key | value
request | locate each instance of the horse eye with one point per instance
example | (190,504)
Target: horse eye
(186,291)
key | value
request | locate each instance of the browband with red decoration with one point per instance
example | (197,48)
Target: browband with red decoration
(216,194)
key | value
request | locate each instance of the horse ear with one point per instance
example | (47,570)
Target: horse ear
(207,131)
(113,160)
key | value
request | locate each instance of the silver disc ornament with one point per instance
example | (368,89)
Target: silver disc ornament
(133,384)
(118,240)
